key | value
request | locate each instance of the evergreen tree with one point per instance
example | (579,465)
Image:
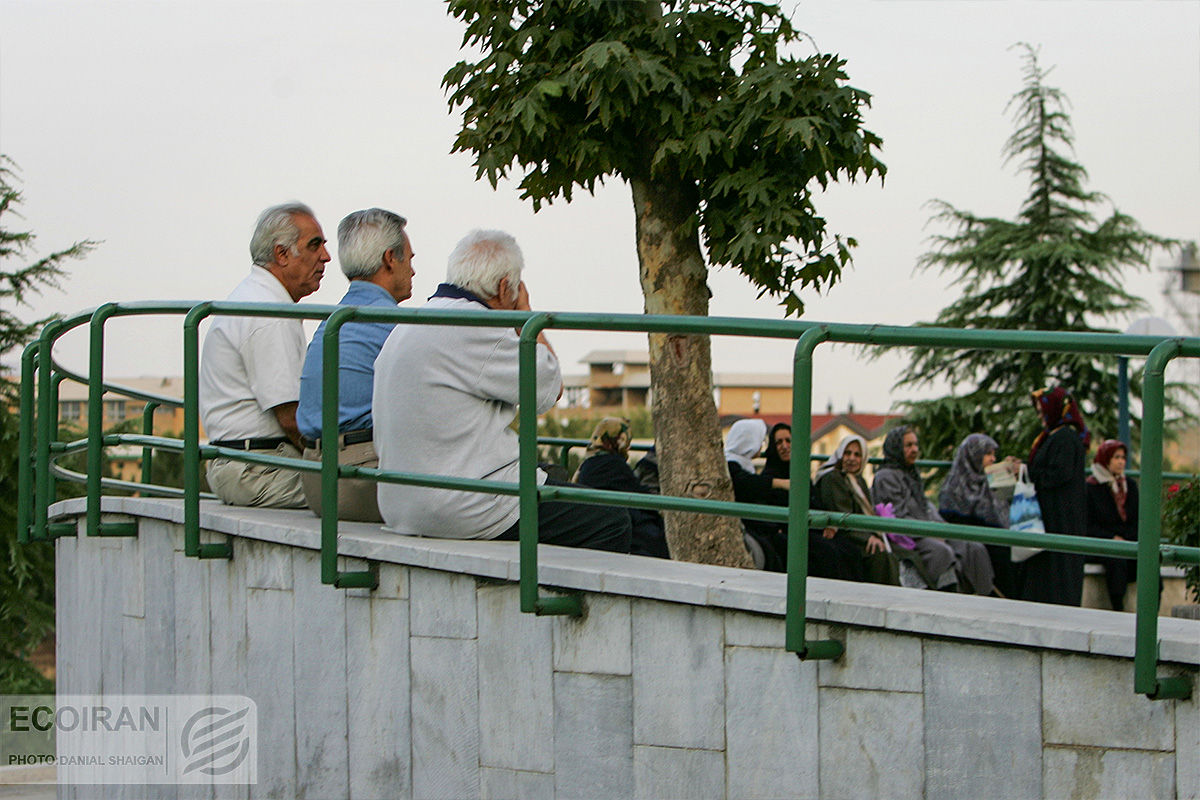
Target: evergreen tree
(1053,268)
(27,582)
(723,137)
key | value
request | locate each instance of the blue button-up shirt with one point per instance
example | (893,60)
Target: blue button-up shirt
(359,344)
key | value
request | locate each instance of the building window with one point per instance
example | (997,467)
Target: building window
(70,410)
(114,409)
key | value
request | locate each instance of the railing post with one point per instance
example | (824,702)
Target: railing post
(330,355)
(1149,561)
(25,443)
(798,502)
(147,451)
(95,433)
(95,416)
(527,362)
(46,433)
(191,440)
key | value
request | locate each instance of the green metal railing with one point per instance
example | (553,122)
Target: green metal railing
(37,473)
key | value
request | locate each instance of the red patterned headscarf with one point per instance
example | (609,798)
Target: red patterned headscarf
(1057,408)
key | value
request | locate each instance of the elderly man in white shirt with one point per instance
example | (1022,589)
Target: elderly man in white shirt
(250,366)
(443,402)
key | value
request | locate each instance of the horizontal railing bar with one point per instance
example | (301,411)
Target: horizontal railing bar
(116,483)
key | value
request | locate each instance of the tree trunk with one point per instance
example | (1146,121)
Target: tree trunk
(686,429)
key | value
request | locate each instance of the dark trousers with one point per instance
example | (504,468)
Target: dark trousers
(579,525)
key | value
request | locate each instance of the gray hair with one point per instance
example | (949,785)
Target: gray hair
(364,237)
(276,226)
(481,259)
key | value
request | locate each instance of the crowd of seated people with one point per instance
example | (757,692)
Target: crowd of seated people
(260,390)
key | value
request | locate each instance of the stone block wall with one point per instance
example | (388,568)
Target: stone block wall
(436,686)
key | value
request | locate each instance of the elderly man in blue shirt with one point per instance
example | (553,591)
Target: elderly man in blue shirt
(376,256)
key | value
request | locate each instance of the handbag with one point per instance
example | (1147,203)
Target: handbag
(1025,515)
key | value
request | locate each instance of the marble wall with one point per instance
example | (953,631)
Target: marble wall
(436,686)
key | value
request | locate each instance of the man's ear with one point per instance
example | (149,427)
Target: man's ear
(504,293)
(389,259)
(281,254)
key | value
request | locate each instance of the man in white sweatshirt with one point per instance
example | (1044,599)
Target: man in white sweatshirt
(443,402)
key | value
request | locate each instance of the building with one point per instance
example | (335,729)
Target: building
(73,403)
(618,381)
(125,462)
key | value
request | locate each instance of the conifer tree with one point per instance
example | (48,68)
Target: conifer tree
(1055,267)
(27,582)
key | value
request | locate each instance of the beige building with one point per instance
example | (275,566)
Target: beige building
(618,381)
(73,403)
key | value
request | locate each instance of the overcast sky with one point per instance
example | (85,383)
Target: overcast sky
(163,128)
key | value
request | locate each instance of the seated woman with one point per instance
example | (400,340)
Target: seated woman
(840,487)
(607,467)
(779,452)
(948,563)
(825,559)
(1112,513)
(967,499)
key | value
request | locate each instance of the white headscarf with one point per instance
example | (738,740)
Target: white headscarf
(832,462)
(745,441)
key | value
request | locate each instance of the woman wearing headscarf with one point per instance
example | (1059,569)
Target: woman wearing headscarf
(966,498)
(840,487)
(607,467)
(779,452)
(825,559)
(898,482)
(1056,469)
(1112,513)
(743,442)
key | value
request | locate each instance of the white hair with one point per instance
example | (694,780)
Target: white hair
(276,226)
(365,236)
(481,259)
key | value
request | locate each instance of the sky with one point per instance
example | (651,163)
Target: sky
(164,128)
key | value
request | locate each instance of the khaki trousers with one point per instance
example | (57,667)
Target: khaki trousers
(356,497)
(239,484)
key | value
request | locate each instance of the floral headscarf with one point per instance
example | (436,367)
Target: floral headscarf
(611,436)
(1057,408)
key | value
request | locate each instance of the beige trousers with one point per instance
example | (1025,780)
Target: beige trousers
(239,484)
(356,497)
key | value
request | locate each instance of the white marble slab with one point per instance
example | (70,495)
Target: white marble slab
(771,723)
(1069,772)
(677,773)
(599,642)
(1090,703)
(678,676)
(593,736)
(983,733)
(516,687)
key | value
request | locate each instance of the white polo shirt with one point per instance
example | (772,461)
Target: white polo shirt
(249,365)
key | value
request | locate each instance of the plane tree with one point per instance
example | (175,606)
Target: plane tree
(725,133)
